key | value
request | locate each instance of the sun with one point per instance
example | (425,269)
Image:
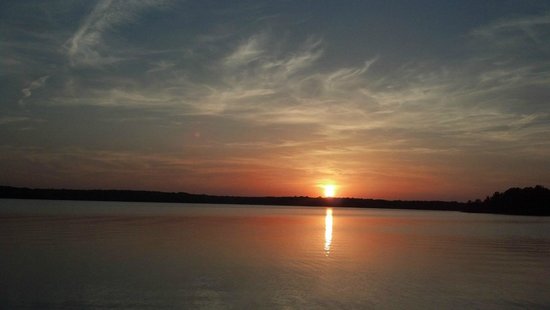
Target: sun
(329,190)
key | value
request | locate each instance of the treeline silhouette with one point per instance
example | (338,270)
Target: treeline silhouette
(182,197)
(519,201)
(526,201)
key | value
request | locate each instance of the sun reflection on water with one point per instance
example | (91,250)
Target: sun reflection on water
(328,231)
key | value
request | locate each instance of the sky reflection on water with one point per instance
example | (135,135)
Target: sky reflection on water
(100,255)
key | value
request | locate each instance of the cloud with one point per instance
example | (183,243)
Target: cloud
(86,45)
(508,31)
(258,75)
(416,113)
(13,119)
(247,52)
(161,66)
(262,81)
(27,91)
(346,76)
(523,41)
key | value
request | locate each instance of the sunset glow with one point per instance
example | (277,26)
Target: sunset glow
(329,190)
(366,103)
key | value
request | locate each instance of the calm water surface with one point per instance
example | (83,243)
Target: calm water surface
(96,255)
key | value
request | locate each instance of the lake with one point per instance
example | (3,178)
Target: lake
(127,255)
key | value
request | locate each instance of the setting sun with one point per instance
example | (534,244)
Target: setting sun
(329,190)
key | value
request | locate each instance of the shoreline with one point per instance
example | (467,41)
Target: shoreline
(10,192)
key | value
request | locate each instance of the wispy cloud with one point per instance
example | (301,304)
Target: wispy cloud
(13,119)
(27,91)
(262,83)
(86,46)
(161,66)
(509,31)
(247,52)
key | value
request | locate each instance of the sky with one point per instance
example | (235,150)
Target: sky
(394,99)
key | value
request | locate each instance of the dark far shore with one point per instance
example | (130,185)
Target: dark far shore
(514,201)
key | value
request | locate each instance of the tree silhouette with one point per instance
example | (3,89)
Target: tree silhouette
(521,201)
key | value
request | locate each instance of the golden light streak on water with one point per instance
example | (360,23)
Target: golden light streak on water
(328,231)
